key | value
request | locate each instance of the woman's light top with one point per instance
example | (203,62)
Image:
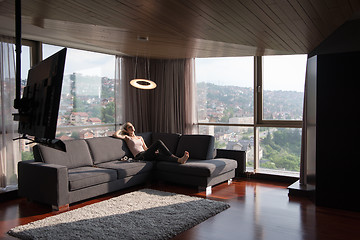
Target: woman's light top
(135,145)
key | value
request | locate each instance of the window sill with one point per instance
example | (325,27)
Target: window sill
(278,172)
(271,174)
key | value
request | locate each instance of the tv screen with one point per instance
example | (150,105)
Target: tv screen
(39,106)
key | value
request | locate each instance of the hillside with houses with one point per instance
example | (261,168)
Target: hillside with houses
(279,147)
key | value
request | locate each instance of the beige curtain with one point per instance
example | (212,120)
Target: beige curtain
(191,113)
(136,103)
(168,108)
(9,149)
(303,159)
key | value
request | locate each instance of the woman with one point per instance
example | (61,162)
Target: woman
(140,151)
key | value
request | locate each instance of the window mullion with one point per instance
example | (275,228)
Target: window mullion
(257,106)
(258,90)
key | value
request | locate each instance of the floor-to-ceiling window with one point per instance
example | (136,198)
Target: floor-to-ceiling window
(225,102)
(11,151)
(254,104)
(87,106)
(280,112)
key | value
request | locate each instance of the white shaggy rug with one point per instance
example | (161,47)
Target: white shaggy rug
(144,214)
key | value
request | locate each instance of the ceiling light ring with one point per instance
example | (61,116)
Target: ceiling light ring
(142,83)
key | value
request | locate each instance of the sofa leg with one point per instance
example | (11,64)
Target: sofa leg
(60,208)
(229,181)
(207,190)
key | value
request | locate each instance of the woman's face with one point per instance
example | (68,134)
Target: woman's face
(130,128)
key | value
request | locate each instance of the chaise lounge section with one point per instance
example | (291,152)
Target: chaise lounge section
(203,169)
(92,167)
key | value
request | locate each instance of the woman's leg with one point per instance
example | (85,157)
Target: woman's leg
(173,158)
(150,153)
(158,145)
(164,153)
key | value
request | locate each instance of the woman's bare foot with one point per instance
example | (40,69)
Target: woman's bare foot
(184,158)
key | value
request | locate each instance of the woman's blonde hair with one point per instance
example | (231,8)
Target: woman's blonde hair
(124,127)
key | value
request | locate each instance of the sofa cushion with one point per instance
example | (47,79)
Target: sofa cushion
(169,139)
(199,146)
(77,154)
(203,168)
(83,177)
(105,149)
(126,169)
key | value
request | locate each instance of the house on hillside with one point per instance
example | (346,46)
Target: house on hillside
(94,121)
(79,118)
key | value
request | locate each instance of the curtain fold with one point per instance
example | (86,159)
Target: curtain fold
(170,107)
(136,102)
(9,149)
(191,115)
(169,96)
(304,135)
(303,158)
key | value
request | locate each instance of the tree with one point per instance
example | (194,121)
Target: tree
(108,113)
(95,111)
(75,135)
(282,150)
(219,145)
(27,156)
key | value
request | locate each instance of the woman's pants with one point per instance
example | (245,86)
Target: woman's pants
(163,155)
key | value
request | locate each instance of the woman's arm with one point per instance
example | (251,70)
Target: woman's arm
(118,135)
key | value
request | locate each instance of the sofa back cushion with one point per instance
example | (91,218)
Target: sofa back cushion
(77,154)
(200,147)
(171,140)
(105,149)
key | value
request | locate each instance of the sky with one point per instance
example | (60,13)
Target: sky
(279,72)
(84,62)
(25,61)
(285,72)
(226,71)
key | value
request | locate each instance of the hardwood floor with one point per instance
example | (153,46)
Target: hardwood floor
(259,210)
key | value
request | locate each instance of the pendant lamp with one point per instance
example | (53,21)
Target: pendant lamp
(143,83)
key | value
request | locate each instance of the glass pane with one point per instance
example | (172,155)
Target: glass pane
(283,87)
(280,149)
(87,96)
(225,89)
(233,138)
(25,65)
(25,148)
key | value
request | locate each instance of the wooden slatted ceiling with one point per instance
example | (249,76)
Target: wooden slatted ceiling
(178,29)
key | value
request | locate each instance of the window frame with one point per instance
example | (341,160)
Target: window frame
(259,121)
(258,95)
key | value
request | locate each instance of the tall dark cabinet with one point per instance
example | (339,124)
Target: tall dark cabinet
(337,101)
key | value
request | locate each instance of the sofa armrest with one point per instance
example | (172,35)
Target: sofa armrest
(43,182)
(239,156)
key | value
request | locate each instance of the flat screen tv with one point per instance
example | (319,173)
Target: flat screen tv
(39,106)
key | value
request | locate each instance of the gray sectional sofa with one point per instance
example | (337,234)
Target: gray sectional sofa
(92,167)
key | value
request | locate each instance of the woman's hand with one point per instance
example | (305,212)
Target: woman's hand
(118,135)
